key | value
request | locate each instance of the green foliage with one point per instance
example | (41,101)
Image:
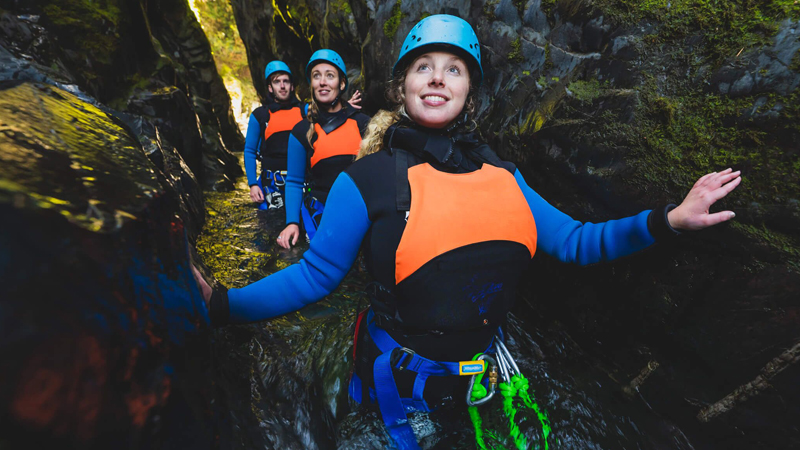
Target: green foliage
(391,25)
(727,26)
(230,56)
(515,55)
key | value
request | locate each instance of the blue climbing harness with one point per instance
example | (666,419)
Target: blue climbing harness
(394,409)
(272,184)
(311,211)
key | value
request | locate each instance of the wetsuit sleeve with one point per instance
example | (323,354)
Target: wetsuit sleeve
(252,141)
(571,241)
(295,178)
(331,254)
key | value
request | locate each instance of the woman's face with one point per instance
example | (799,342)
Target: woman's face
(325,82)
(436,89)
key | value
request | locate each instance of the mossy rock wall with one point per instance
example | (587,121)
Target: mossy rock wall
(115,50)
(610,107)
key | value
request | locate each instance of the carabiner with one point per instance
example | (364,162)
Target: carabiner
(492,382)
(510,363)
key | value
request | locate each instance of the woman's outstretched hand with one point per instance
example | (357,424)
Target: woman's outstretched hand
(692,213)
(289,236)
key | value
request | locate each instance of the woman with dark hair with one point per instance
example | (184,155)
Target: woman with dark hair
(445,278)
(321,146)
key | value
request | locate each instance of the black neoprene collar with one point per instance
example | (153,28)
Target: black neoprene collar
(331,121)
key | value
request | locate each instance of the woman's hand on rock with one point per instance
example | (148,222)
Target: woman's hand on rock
(205,289)
(693,212)
(290,234)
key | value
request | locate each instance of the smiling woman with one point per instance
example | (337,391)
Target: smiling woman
(444,278)
(321,146)
(436,87)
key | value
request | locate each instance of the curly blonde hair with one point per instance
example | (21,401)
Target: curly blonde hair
(380,123)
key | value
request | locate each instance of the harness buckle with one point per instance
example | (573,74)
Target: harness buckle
(398,357)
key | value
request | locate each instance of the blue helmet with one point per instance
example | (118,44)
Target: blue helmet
(276,66)
(330,57)
(441,30)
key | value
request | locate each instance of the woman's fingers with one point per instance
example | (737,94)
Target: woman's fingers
(256,194)
(205,289)
(288,236)
(726,188)
(722,216)
(703,179)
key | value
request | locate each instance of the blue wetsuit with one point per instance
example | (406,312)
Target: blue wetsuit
(272,150)
(346,223)
(446,305)
(333,148)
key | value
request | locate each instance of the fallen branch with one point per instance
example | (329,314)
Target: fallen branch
(753,388)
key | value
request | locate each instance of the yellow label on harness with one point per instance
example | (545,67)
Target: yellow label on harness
(471,367)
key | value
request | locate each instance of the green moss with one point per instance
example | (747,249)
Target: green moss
(548,6)
(663,109)
(675,140)
(391,25)
(548,62)
(342,6)
(787,245)
(87,26)
(488,9)
(727,26)
(520,5)
(515,55)
(586,91)
(795,64)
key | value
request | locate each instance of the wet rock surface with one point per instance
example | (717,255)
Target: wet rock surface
(101,316)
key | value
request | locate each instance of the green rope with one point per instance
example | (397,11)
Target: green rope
(517,387)
(509,392)
(522,386)
(478,424)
